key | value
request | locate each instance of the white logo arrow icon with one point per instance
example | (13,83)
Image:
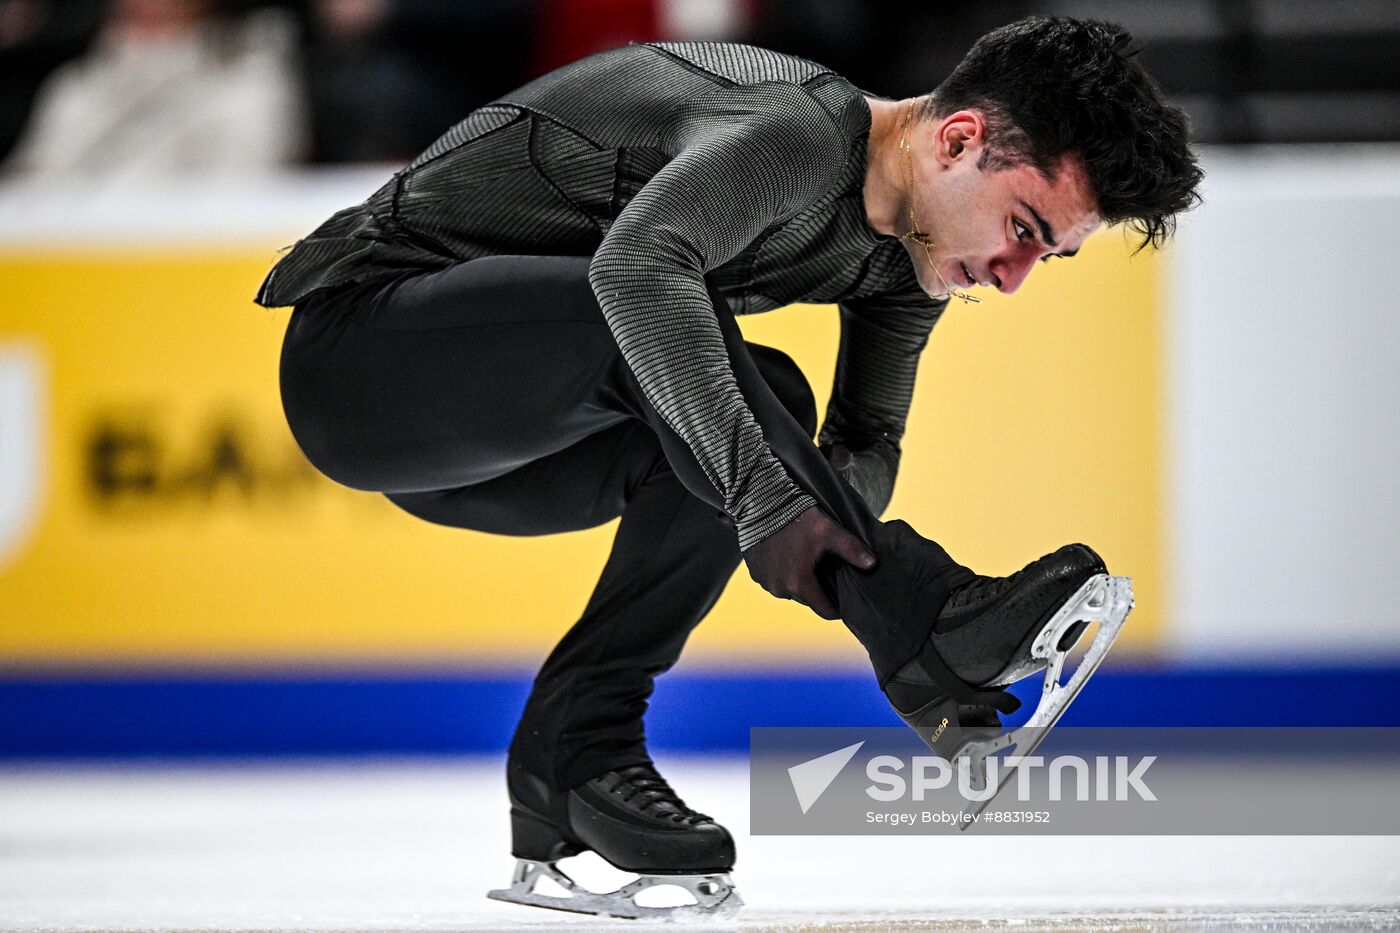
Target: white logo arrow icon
(811,778)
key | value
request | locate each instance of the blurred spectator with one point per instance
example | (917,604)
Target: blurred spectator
(170,86)
(34,40)
(387,77)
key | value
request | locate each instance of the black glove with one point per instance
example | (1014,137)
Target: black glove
(785,562)
(870,471)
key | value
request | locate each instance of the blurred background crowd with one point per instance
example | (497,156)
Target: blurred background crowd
(118,88)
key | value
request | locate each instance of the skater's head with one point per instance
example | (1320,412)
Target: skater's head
(1048,129)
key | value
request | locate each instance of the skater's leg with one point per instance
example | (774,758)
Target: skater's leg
(579,772)
(670,561)
(582,486)
(445,379)
(580,744)
(671,558)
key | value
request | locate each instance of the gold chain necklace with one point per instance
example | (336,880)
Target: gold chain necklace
(915,234)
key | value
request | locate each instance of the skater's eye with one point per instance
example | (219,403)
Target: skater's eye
(1067,254)
(1023,230)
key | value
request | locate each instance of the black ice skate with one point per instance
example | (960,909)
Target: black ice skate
(994,631)
(631,818)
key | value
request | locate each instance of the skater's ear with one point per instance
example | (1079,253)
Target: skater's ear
(960,135)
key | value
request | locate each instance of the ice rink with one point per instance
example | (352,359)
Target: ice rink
(415,844)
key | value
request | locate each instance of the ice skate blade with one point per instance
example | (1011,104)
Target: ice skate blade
(714,895)
(1103,599)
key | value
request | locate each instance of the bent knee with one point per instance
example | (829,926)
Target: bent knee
(488,507)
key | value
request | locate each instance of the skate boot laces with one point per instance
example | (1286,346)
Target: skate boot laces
(643,789)
(979,589)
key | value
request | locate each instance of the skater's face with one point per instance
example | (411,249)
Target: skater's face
(989,225)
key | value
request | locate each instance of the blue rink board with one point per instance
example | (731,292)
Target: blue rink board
(48,714)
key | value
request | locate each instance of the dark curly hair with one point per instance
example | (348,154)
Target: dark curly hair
(1051,86)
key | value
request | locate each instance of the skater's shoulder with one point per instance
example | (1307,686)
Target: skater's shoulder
(674,89)
(773,77)
(741,63)
(734,63)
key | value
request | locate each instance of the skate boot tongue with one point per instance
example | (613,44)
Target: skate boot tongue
(641,788)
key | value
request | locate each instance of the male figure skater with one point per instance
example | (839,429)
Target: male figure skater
(530,329)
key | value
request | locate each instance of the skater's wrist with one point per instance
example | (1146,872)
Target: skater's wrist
(785,563)
(773,518)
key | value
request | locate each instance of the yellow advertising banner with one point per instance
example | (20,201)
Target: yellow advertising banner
(156,509)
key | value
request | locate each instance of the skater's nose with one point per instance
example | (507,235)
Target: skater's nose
(1010,270)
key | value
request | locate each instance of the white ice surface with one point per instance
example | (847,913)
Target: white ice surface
(415,844)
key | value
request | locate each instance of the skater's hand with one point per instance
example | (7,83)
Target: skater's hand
(785,562)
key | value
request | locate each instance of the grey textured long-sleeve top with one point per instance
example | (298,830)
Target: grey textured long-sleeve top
(672,165)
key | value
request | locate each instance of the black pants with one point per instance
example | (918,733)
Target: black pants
(491,395)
